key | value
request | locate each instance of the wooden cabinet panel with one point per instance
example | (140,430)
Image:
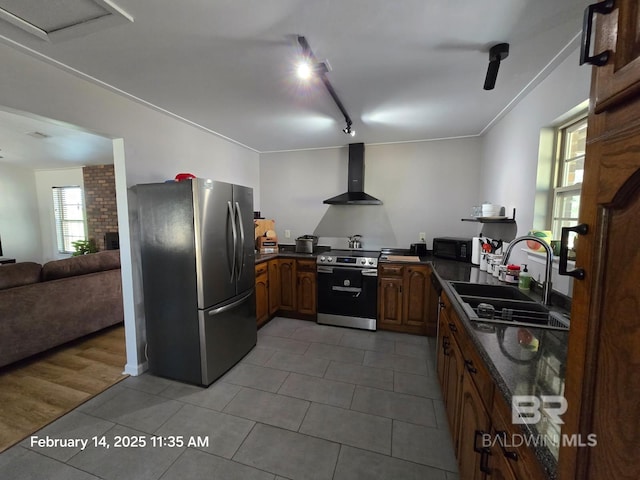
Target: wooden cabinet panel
(288,283)
(511,453)
(474,422)
(262,294)
(390,302)
(618,32)
(306,294)
(602,387)
(455,371)
(404,293)
(417,281)
(274,287)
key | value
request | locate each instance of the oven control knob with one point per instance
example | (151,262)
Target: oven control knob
(322,259)
(329,259)
(370,262)
(363,261)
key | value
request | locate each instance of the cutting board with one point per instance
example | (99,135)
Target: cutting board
(402,258)
(263,226)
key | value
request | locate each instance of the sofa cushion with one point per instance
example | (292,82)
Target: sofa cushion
(18,274)
(81,265)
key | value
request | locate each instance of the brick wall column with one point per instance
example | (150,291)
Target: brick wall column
(100,202)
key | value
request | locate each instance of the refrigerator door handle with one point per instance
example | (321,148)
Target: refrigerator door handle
(224,308)
(232,217)
(241,260)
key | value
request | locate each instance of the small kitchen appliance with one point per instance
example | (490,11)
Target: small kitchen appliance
(454,248)
(305,243)
(419,249)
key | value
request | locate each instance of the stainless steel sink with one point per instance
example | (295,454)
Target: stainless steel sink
(502,304)
(489,291)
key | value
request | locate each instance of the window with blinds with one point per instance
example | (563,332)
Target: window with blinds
(68,206)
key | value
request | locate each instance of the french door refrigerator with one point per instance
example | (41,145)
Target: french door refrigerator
(197,252)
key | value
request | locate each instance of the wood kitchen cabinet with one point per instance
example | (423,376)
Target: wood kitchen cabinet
(307,287)
(288,284)
(602,383)
(474,410)
(403,298)
(274,286)
(262,293)
(390,303)
(474,422)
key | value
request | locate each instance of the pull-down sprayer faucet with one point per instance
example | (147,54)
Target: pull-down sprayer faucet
(546,286)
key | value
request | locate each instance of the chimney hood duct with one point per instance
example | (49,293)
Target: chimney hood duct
(355,194)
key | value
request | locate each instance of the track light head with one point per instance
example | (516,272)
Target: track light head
(497,53)
(349,131)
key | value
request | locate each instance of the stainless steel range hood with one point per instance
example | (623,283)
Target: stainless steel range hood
(355,194)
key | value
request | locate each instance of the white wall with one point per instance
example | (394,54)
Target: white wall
(154,147)
(45,180)
(510,148)
(424,186)
(19,220)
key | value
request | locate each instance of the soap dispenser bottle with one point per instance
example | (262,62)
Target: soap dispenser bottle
(524,280)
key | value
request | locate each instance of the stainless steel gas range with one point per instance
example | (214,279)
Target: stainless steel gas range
(348,288)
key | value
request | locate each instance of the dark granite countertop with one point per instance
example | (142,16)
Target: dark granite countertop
(516,369)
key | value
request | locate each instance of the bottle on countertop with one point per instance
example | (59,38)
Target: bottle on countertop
(513,274)
(524,280)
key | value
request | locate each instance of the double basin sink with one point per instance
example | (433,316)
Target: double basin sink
(504,304)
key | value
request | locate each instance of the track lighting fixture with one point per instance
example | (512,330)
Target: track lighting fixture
(348,130)
(497,53)
(320,69)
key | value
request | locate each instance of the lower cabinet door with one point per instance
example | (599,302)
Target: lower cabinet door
(474,431)
(390,302)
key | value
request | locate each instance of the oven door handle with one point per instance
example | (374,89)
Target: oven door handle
(346,289)
(322,269)
(370,272)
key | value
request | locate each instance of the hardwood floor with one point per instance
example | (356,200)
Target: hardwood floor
(35,392)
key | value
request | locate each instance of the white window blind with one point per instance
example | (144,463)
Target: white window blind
(68,206)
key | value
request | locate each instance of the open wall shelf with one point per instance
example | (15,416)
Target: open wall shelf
(492,219)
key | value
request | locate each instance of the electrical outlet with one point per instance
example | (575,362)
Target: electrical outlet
(422,236)
(287,234)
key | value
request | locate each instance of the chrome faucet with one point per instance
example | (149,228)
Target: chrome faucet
(546,286)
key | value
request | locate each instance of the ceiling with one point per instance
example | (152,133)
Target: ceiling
(38,143)
(405,71)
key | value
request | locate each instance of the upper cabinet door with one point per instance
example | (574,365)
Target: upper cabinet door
(619,33)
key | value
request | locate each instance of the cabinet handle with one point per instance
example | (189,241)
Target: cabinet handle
(484,461)
(599,59)
(501,435)
(469,366)
(483,451)
(442,305)
(452,327)
(578,273)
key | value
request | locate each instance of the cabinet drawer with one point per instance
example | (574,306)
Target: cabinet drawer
(519,456)
(390,269)
(261,269)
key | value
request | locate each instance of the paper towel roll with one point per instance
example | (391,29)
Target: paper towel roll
(476,248)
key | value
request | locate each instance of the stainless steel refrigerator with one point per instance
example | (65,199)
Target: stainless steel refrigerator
(197,251)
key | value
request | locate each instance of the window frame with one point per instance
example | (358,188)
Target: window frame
(557,189)
(63,238)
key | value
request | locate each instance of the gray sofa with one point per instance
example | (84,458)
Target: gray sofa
(45,306)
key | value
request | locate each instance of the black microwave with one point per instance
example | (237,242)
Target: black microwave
(453,248)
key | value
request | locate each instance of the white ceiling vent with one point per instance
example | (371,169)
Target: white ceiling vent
(56,20)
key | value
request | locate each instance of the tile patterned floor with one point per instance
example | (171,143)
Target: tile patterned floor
(308,402)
